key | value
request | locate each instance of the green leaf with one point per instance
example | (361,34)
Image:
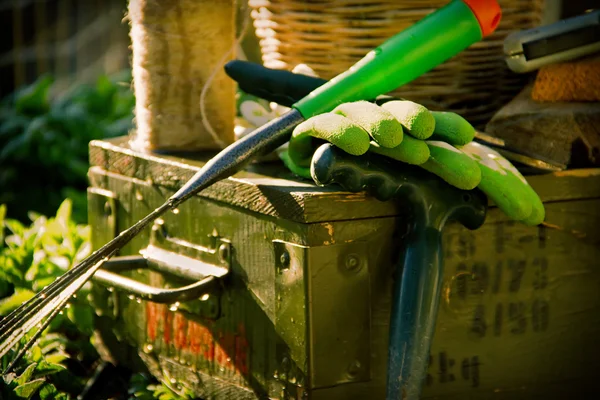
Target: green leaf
(33,216)
(64,212)
(52,342)
(2,216)
(46,368)
(48,392)
(11,303)
(34,98)
(13,125)
(36,354)
(15,226)
(83,317)
(41,283)
(9,272)
(26,375)
(57,358)
(27,390)
(14,148)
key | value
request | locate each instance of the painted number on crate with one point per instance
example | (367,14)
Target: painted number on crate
(445,369)
(513,316)
(227,349)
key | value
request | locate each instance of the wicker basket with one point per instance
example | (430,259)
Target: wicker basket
(331,35)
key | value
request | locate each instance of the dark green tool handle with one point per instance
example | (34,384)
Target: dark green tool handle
(428,203)
(282,87)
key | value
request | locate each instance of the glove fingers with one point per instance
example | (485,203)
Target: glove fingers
(505,185)
(506,192)
(292,166)
(378,122)
(453,166)
(334,128)
(538,212)
(411,151)
(452,128)
(415,118)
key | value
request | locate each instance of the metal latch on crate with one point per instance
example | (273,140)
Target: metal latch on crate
(164,254)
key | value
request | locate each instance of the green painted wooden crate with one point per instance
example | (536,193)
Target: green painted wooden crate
(303,309)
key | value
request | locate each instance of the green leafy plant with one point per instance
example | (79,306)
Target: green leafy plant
(37,369)
(143,387)
(32,257)
(44,141)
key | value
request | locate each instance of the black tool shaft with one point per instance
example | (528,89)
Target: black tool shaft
(226,163)
(262,141)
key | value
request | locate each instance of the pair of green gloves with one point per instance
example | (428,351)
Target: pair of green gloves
(439,142)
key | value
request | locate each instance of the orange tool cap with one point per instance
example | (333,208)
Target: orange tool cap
(488,14)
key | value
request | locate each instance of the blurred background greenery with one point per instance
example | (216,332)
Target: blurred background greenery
(64,81)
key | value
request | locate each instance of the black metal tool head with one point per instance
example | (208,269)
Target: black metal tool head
(430,199)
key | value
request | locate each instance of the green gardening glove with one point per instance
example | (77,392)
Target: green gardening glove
(439,142)
(396,129)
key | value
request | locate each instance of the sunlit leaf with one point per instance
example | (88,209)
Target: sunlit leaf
(20,296)
(27,374)
(48,392)
(27,390)
(45,367)
(64,212)
(57,358)
(36,353)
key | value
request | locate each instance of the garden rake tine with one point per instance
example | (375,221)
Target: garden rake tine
(46,293)
(31,341)
(48,308)
(19,322)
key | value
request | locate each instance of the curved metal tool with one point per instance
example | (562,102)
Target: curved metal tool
(430,203)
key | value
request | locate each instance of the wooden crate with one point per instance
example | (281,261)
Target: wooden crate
(519,317)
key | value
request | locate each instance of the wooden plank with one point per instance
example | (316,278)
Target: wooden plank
(543,279)
(575,184)
(272,191)
(519,317)
(564,132)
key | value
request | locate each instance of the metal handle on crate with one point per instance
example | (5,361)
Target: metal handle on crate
(204,267)
(147,292)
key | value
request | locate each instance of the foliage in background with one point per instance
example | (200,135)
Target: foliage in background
(143,387)
(44,141)
(43,160)
(64,358)
(31,258)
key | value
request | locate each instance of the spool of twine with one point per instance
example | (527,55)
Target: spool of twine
(331,35)
(178,47)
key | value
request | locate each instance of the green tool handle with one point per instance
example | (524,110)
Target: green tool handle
(401,59)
